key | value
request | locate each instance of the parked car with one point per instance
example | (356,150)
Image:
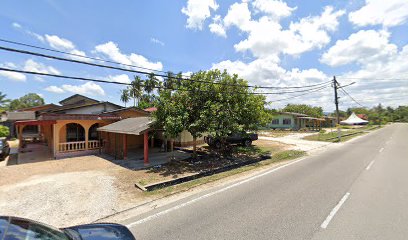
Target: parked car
(4,149)
(19,228)
(234,138)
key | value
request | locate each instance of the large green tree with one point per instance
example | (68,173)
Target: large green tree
(305,109)
(210,101)
(28,100)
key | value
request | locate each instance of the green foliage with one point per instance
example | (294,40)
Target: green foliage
(379,115)
(305,109)
(4,131)
(214,102)
(28,100)
(3,102)
(124,96)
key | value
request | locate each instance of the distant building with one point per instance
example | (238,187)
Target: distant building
(295,121)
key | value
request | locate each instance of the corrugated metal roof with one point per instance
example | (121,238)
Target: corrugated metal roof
(27,115)
(133,126)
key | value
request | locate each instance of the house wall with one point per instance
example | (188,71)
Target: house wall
(96,109)
(186,139)
(59,129)
(280,117)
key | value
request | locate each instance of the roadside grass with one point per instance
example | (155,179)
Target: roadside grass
(277,157)
(348,133)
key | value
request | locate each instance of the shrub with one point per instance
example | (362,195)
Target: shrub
(4,131)
(322,131)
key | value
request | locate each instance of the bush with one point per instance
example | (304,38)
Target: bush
(322,131)
(4,131)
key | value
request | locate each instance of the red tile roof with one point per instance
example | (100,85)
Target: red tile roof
(151,109)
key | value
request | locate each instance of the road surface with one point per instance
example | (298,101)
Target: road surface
(356,191)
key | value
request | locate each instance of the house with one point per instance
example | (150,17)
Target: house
(295,121)
(80,125)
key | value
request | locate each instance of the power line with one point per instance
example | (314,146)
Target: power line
(77,55)
(316,90)
(377,79)
(127,84)
(351,97)
(143,72)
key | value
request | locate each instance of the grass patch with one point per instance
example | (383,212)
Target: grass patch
(277,157)
(348,133)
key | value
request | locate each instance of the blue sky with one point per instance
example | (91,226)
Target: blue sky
(267,42)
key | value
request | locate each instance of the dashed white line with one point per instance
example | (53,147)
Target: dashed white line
(382,149)
(369,165)
(334,211)
(151,217)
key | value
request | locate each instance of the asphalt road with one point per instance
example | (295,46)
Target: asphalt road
(356,191)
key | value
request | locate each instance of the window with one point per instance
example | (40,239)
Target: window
(275,121)
(287,121)
(22,229)
(75,132)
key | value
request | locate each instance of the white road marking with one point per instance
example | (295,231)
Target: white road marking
(334,211)
(382,149)
(156,215)
(369,165)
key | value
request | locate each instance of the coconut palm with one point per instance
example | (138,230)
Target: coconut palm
(151,83)
(124,97)
(135,89)
(3,100)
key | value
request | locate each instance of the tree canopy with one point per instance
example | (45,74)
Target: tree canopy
(210,102)
(28,100)
(305,109)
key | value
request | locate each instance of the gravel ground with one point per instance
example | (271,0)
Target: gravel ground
(68,192)
(297,143)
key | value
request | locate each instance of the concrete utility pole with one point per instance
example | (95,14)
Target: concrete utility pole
(336,101)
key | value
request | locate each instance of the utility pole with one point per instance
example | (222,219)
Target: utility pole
(336,101)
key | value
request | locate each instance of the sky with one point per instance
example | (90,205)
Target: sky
(267,42)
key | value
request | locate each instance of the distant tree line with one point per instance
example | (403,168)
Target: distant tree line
(28,100)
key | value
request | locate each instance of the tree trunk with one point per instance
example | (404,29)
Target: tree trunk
(194,147)
(172,147)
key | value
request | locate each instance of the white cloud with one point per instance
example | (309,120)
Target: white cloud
(112,50)
(266,72)
(267,38)
(238,15)
(16,25)
(122,78)
(15,76)
(59,43)
(217,28)
(54,89)
(275,9)
(365,46)
(388,13)
(33,66)
(157,41)
(88,88)
(198,11)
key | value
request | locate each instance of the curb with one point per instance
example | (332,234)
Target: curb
(154,186)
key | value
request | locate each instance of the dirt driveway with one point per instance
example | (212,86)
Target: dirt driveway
(67,192)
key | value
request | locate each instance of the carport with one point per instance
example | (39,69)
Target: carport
(129,131)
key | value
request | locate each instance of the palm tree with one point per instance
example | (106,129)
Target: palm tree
(3,100)
(135,89)
(151,83)
(124,97)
